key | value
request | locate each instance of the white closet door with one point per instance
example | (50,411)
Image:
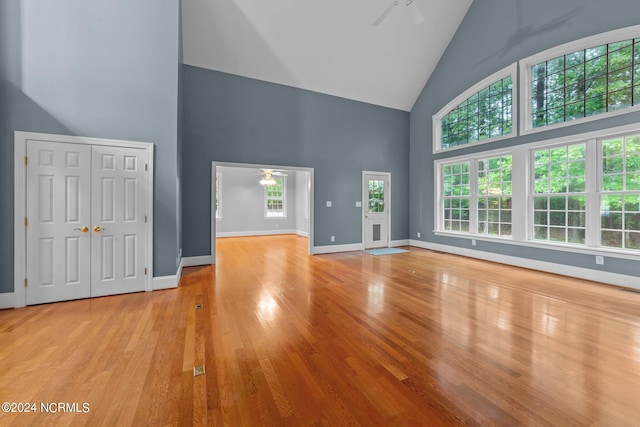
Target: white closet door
(119,197)
(58,207)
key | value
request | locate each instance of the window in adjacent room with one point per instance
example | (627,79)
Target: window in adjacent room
(275,198)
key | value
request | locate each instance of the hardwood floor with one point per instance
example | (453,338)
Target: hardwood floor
(415,339)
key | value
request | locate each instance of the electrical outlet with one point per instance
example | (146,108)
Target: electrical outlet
(418,234)
(358,204)
(333,238)
(599,260)
(473,242)
(277,225)
(328,203)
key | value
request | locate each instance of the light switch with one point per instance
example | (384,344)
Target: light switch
(328,203)
(358,204)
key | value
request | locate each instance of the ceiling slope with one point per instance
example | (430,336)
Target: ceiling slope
(325,46)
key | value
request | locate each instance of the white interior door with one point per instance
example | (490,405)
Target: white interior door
(119,195)
(86,212)
(58,219)
(376,196)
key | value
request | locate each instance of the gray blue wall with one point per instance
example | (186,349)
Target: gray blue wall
(494,34)
(100,69)
(235,119)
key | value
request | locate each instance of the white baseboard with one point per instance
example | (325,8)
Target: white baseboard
(302,233)
(253,233)
(549,267)
(7,300)
(396,243)
(330,249)
(164,282)
(192,261)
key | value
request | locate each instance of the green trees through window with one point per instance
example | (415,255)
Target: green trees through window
(484,115)
(586,83)
(620,198)
(494,196)
(456,196)
(376,195)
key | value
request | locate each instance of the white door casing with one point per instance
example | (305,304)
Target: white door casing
(58,207)
(376,196)
(64,187)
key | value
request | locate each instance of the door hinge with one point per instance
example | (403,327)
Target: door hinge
(145,271)
(26,160)
(145,219)
(26,283)
(146,166)
(26,221)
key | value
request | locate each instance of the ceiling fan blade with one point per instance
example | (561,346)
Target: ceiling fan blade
(385,13)
(417,16)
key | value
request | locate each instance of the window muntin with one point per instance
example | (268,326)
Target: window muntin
(586,82)
(620,193)
(494,196)
(483,113)
(275,198)
(456,196)
(559,194)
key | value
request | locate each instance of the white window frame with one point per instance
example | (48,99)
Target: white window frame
(526,64)
(218,213)
(522,182)
(267,215)
(510,70)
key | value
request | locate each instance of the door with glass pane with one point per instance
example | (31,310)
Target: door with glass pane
(376,197)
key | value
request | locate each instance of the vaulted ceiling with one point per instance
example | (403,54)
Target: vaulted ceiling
(326,46)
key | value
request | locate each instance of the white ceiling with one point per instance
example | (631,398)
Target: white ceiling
(326,46)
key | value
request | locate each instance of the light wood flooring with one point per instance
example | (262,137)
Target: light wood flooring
(412,339)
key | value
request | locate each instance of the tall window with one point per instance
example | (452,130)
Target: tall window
(275,198)
(494,196)
(620,193)
(483,113)
(596,76)
(456,196)
(559,198)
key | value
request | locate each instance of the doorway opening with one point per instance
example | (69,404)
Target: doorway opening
(257,200)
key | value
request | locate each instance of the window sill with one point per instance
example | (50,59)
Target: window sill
(276,217)
(565,247)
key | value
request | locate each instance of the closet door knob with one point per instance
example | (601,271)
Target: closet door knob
(84,229)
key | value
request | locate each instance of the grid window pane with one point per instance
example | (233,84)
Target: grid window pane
(620,192)
(486,114)
(456,193)
(275,198)
(585,83)
(559,201)
(494,196)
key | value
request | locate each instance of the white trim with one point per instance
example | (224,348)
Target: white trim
(215,164)
(302,233)
(222,234)
(218,181)
(193,261)
(396,243)
(522,224)
(331,249)
(365,203)
(165,282)
(20,199)
(7,300)
(526,126)
(549,267)
(510,70)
